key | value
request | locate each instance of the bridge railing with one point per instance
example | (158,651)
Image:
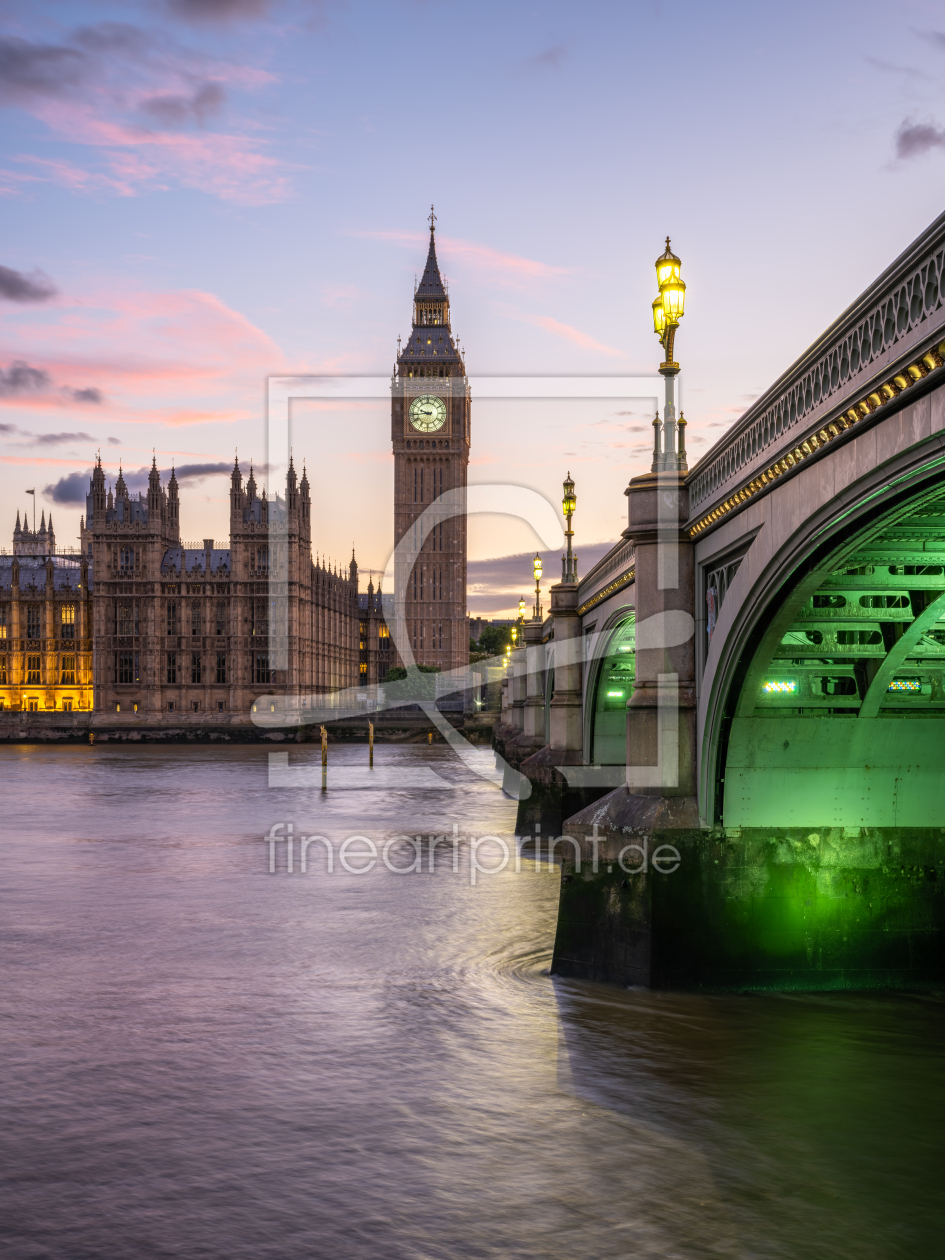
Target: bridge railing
(900,315)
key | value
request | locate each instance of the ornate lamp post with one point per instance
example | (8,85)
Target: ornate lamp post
(568,505)
(668,309)
(536,565)
(521,610)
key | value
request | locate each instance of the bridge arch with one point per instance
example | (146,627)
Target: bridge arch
(828,704)
(611,669)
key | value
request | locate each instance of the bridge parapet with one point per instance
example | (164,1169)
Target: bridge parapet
(609,574)
(885,343)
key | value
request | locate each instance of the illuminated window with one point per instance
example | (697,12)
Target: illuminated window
(33,669)
(3,670)
(68,669)
(67,621)
(3,621)
(67,705)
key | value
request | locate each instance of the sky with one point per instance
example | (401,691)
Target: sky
(199,194)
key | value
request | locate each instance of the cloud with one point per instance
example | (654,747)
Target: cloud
(914,138)
(17,286)
(31,70)
(197,472)
(550,59)
(95,89)
(569,333)
(113,441)
(177,112)
(502,267)
(20,378)
(218,10)
(70,489)
(73,487)
(53,439)
(933,37)
(88,395)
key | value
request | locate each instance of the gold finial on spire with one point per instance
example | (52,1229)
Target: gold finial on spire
(431,219)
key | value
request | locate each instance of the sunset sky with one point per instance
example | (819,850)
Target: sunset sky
(197,194)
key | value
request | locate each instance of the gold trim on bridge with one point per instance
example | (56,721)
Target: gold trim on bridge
(883,394)
(624,580)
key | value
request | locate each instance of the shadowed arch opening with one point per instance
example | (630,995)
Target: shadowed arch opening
(612,688)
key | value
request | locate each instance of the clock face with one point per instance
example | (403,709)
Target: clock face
(427,413)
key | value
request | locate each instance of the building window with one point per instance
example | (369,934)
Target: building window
(126,559)
(221,616)
(3,670)
(32,669)
(125,667)
(172,668)
(170,706)
(3,621)
(262,559)
(195,675)
(32,705)
(195,705)
(67,705)
(125,617)
(221,667)
(67,621)
(195,618)
(219,706)
(33,613)
(260,615)
(172,617)
(383,638)
(68,670)
(262,668)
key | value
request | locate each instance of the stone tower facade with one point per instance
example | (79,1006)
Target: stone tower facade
(430,432)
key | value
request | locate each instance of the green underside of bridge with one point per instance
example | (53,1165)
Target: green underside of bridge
(766,909)
(836,772)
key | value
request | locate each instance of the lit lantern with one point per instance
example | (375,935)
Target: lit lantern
(667,266)
(569,502)
(659,317)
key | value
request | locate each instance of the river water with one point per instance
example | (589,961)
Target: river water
(205,1059)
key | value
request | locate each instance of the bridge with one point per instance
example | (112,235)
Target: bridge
(753,678)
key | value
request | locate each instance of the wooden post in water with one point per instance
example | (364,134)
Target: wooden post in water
(371,745)
(324,759)
(429,737)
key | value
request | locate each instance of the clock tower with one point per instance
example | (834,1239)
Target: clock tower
(430,431)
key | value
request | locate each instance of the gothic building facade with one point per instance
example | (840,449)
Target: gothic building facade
(188,629)
(45,624)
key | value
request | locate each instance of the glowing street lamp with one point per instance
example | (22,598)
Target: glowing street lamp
(668,309)
(536,566)
(568,506)
(521,609)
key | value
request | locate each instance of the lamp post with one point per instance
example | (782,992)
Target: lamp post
(568,505)
(536,565)
(668,309)
(521,610)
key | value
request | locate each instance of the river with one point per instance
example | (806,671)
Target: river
(204,1058)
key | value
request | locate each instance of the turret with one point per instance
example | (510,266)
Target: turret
(17,532)
(353,571)
(291,487)
(154,494)
(98,491)
(173,506)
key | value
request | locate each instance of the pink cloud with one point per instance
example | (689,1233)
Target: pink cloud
(569,333)
(142,103)
(171,358)
(507,268)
